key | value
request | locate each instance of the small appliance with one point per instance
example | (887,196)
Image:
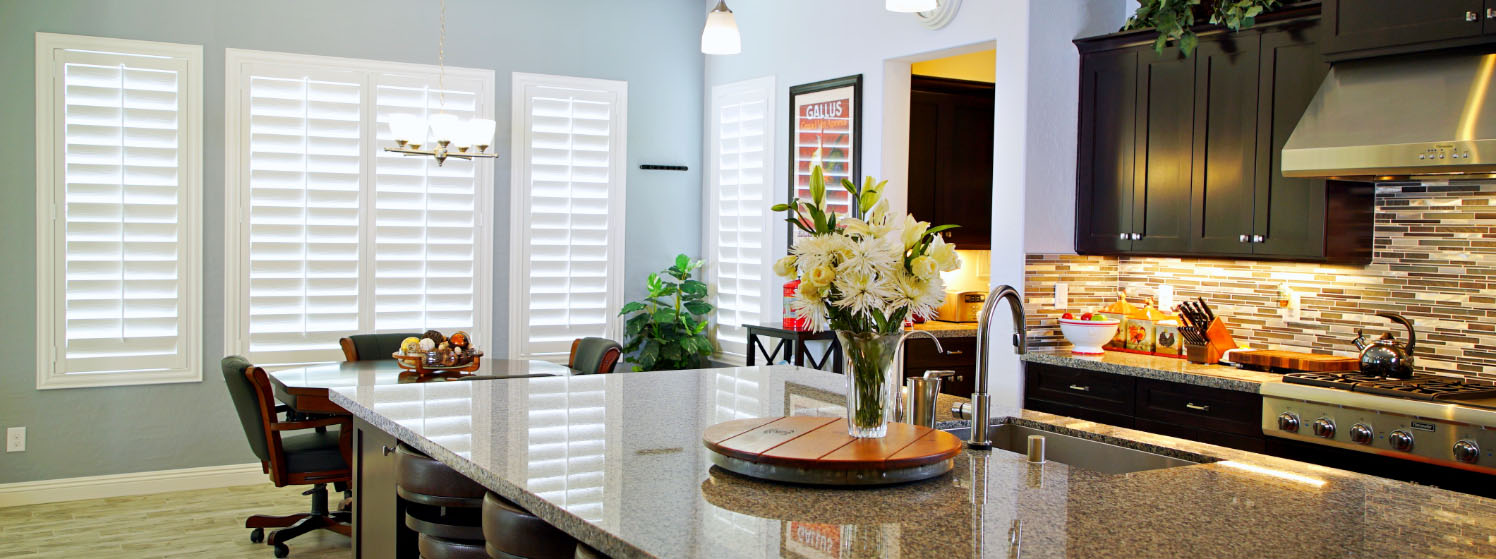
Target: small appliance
(962,306)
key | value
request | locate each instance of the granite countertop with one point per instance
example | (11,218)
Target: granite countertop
(617,461)
(1159,368)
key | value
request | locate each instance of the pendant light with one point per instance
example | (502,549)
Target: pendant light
(454,137)
(720,36)
(907,6)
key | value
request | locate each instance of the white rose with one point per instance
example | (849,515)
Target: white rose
(785,267)
(924,267)
(821,275)
(914,231)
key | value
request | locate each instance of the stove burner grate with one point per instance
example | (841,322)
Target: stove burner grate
(1420,387)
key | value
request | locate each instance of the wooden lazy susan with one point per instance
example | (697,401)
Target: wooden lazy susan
(818,450)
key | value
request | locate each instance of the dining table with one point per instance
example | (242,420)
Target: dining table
(304,388)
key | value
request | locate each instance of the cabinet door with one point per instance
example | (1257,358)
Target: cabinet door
(1225,145)
(1356,25)
(1105,172)
(924,154)
(1161,189)
(378,528)
(967,177)
(1290,212)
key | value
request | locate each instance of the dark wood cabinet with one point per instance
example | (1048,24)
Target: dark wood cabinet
(950,157)
(379,530)
(1108,131)
(1205,150)
(920,355)
(1361,28)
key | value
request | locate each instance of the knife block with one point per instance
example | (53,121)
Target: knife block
(1219,341)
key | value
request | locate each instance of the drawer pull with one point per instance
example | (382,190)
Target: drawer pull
(1080,388)
(955,352)
(387,449)
(1197,407)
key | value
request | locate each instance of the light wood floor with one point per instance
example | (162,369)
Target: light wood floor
(207,523)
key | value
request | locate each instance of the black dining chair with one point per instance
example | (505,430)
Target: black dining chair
(365,347)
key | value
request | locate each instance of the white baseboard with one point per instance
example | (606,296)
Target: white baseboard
(122,485)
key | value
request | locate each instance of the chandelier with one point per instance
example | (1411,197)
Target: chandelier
(454,137)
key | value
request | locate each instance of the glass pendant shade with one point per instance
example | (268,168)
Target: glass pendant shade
(409,128)
(910,5)
(477,132)
(445,127)
(720,36)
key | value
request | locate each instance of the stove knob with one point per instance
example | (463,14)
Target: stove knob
(1401,440)
(1288,421)
(1362,434)
(1466,451)
(1324,427)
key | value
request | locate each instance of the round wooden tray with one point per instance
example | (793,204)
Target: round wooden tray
(818,451)
(417,364)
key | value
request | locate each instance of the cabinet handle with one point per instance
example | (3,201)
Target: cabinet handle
(1258,238)
(1122,236)
(1242,239)
(1080,388)
(1490,13)
(1136,236)
(955,352)
(1472,16)
(1197,407)
(387,449)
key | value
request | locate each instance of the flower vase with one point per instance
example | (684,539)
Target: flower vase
(872,389)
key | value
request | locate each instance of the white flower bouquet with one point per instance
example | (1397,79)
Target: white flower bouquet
(863,278)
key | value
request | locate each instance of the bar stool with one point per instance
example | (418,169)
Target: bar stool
(511,532)
(443,506)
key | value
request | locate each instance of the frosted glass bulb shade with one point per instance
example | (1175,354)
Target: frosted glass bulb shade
(720,36)
(445,127)
(409,128)
(907,6)
(477,132)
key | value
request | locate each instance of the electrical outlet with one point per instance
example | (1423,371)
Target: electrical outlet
(1165,297)
(15,439)
(1062,295)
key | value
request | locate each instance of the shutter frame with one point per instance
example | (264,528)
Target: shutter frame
(180,361)
(729,335)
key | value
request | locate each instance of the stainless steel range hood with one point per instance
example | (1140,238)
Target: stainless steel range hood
(1427,117)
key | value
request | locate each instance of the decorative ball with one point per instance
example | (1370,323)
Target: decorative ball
(459,339)
(427,345)
(410,346)
(434,336)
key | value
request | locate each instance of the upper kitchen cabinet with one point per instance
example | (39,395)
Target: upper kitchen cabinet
(1205,150)
(950,157)
(1365,28)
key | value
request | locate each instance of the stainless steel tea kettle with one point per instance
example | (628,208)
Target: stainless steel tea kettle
(1385,357)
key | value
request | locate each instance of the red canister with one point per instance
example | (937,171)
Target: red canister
(791,322)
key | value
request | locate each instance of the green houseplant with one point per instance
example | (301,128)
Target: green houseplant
(1174,19)
(668,328)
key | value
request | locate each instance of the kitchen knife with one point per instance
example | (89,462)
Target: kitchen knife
(1209,314)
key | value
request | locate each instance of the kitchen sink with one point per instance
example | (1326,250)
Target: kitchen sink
(1077,452)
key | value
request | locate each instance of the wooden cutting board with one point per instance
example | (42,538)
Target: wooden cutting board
(1293,360)
(822,443)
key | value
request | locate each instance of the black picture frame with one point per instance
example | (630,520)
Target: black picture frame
(850,89)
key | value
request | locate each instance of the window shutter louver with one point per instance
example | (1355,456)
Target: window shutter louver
(118,163)
(739,260)
(341,237)
(569,206)
(567,442)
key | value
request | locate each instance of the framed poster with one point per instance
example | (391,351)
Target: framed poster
(826,116)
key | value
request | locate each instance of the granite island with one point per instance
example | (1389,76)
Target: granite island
(617,461)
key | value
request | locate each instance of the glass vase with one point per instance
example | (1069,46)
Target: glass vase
(872,389)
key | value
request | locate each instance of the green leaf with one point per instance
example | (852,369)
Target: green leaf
(936,230)
(698,307)
(655,285)
(664,316)
(693,287)
(798,225)
(682,261)
(631,307)
(850,187)
(671,352)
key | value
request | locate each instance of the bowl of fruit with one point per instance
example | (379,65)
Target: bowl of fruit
(1089,331)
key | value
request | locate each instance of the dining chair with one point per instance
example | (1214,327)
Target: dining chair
(364,347)
(594,356)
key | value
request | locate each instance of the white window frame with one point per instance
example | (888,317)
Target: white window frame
(50,194)
(236,184)
(519,203)
(770,298)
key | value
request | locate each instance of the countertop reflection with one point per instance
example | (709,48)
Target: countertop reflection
(617,461)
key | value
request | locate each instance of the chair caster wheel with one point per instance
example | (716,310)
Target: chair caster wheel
(257,535)
(281,551)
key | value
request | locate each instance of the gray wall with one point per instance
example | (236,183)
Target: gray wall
(650,43)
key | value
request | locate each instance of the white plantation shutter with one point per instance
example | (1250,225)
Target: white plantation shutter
(305,172)
(118,200)
(567,442)
(739,237)
(568,200)
(329,234)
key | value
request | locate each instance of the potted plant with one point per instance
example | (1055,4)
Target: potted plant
(862,278)
(1175,19)
(668,328)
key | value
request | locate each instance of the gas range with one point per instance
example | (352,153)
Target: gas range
(1427,418)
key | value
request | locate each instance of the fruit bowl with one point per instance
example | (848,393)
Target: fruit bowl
(1088,335)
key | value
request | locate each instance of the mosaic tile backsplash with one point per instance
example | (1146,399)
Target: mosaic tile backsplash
(1434,262)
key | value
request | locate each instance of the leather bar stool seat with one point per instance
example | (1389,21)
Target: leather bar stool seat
(432,547)
(440,502)
(511,532)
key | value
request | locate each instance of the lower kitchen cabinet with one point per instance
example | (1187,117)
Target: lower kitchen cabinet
(379,530)
(920,355)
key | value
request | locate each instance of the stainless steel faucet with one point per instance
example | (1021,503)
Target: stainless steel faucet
(981,401)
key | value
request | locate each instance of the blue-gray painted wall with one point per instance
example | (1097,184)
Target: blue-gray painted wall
(652,44)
